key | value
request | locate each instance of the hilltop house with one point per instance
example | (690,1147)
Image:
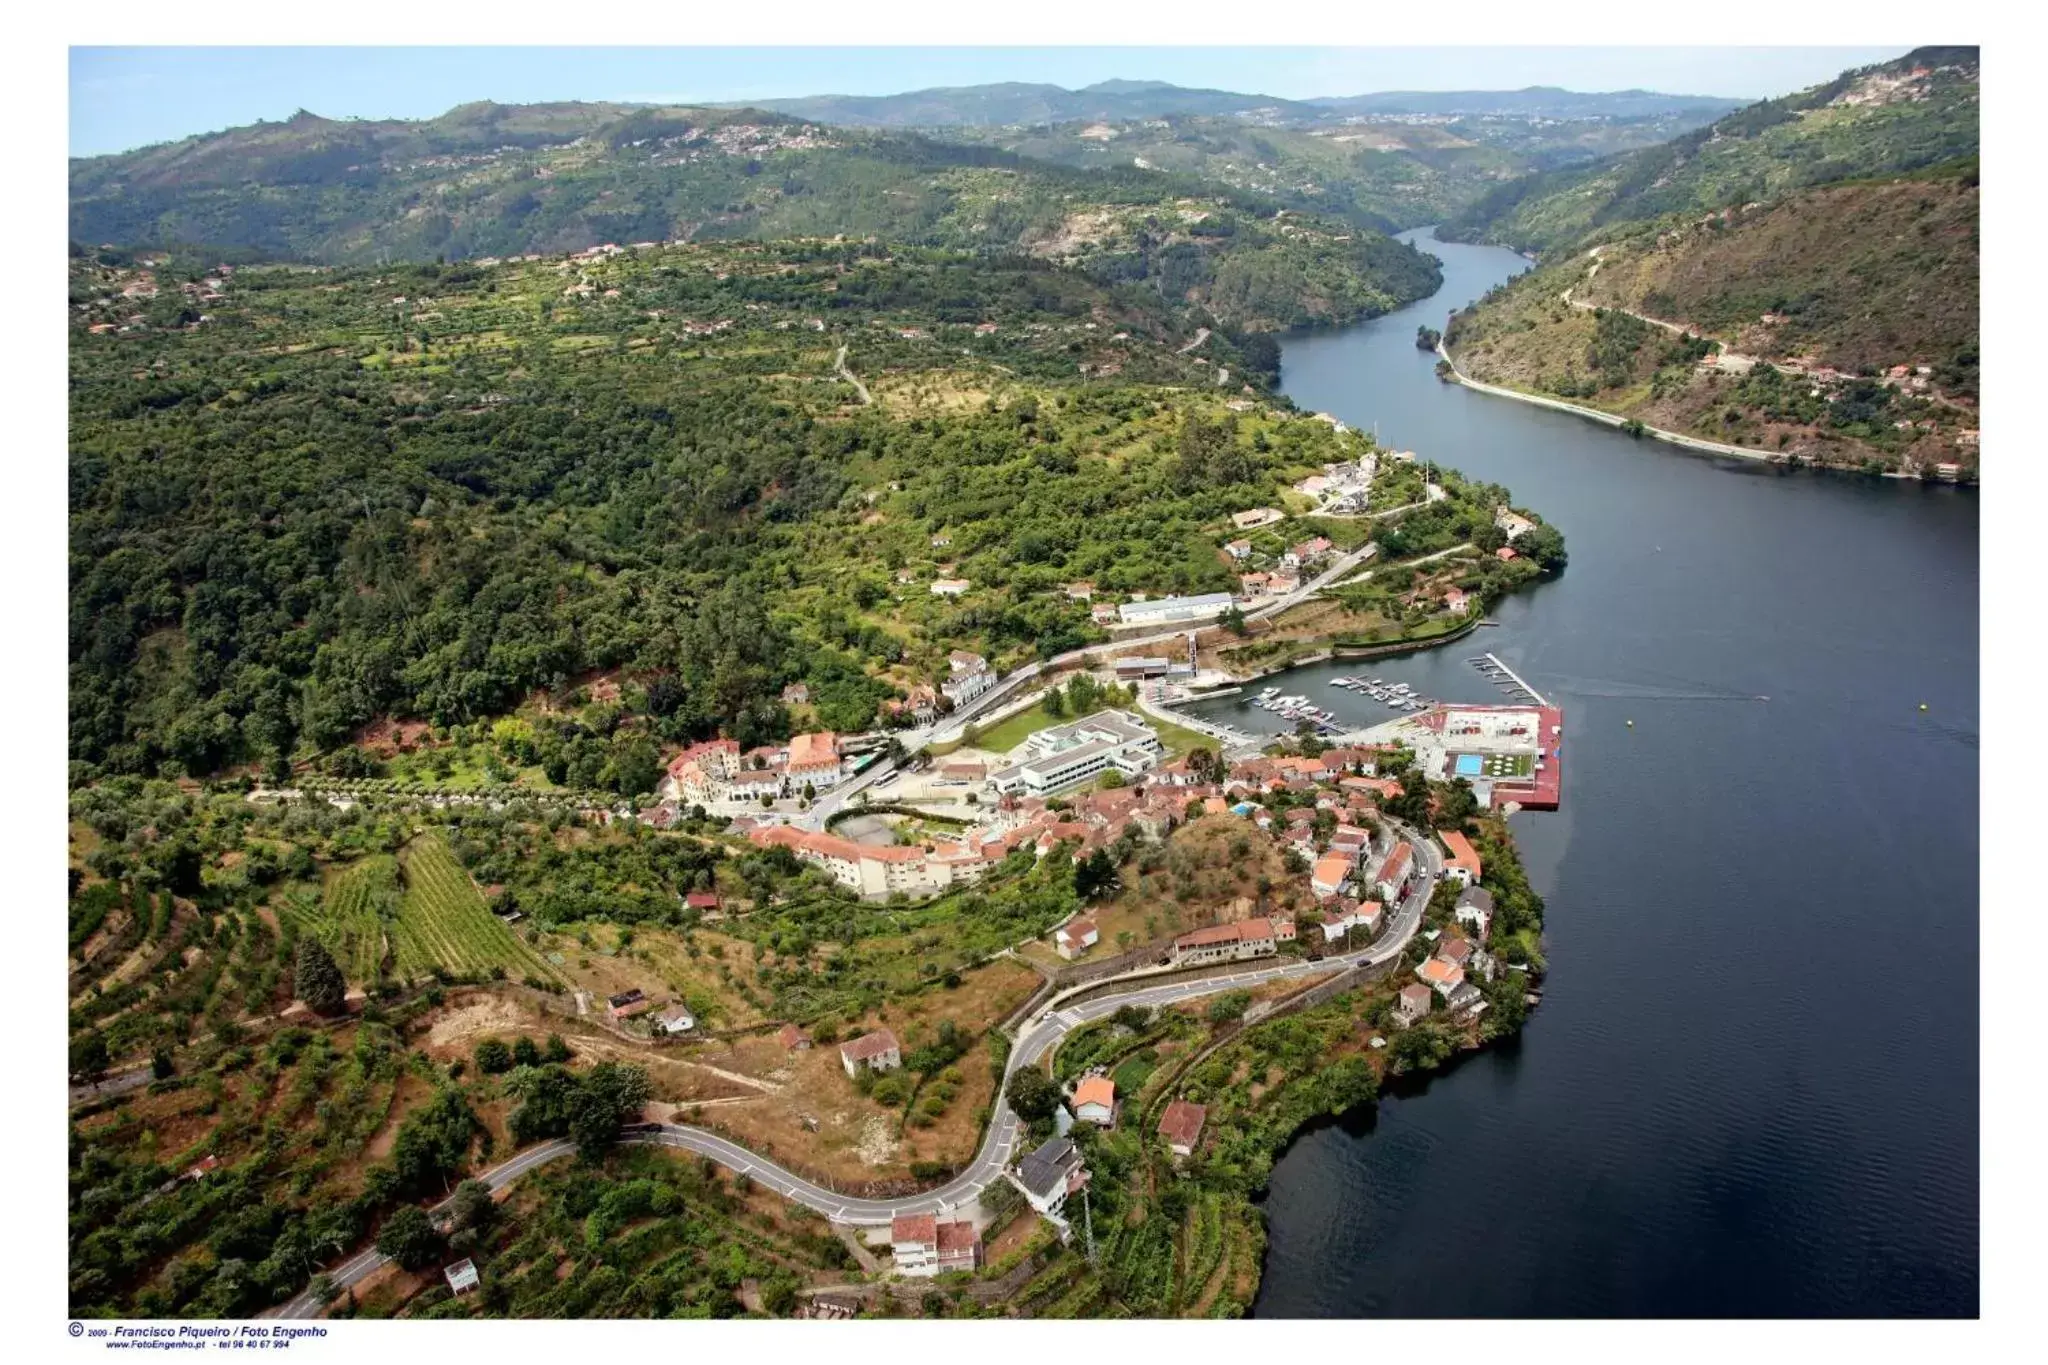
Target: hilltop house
(877,1051)
(1095,1101)
(1049,1173)
(1181,1126)
(1074,938)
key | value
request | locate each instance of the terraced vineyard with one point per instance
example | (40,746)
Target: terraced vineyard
(353,916)
(443,921)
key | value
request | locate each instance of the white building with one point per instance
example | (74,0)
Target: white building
(1061,756)
(971,677)
(1165,609)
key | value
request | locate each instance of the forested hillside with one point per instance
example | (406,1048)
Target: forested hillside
(496,181)
(1918,111)
(305,498)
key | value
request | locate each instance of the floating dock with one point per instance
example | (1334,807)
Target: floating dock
(1505,678)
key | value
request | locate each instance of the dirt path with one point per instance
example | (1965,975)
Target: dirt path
(1201,335)
(839,368)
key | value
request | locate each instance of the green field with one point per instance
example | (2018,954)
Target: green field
(443,921)
(351,914)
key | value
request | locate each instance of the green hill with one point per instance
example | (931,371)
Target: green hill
(1918,111)
(499,181)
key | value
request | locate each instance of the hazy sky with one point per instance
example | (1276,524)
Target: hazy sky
(128,97)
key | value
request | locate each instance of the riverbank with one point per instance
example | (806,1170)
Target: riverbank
(1700,445)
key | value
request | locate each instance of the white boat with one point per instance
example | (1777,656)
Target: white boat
(1395,704)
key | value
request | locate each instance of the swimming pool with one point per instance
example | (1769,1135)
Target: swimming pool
(1469,765)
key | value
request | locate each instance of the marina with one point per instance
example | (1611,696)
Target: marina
(1506,679)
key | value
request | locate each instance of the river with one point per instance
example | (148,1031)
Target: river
(1752,1087)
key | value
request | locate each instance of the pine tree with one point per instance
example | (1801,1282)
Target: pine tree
(315,978)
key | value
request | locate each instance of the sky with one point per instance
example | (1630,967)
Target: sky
(130,97)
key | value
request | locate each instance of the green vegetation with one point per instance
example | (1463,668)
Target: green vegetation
(444,925)
(1874,121)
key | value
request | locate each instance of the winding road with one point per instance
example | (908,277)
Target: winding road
(1039,1037)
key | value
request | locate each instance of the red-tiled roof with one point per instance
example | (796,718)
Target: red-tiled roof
(1461,851)
(1096,1090)
(869,1045)
(1181,1124)
(957,1236)
(914,1227)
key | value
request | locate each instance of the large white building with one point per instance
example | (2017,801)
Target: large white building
(1062,756)
(877,871)
(1165,609)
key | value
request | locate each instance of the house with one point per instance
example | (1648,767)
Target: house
(1239,550)
(1513,524)
(877,871)
(676,1019)
(1463,866)
(1443,977)
(1283,581)
(1169,609)
(1504,554)
(949,587)
(877,1051)
(701,900)
(1331,872)
(701,771)
(462,1277)
(1225,943)
(941,541)
(1307,552)
(754,784)
(959,1247)
(1051,1172)
(1141,666)
(1256,517)
(971,677)
(914,1242)
(964,771)
(1103,614)
(1465,999)
(1283,930)
(1074,938)
(1313,486)
(793,1039)
(1348,915)
(1393,873)
(815,759)
(796,694)
(626,1004)
(1475,907)
(1412,1004)
(1455,600)
(1095,1101)
(1080,592)
(200,1171)
(1181,1126)
(1255,584)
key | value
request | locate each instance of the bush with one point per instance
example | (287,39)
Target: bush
(493,1058)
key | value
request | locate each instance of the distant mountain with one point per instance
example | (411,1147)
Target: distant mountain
(497,180)
(1917,111)
(1825,245)
(1537,101)
(1017,102)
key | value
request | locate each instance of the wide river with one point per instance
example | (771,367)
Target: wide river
(1752,1086)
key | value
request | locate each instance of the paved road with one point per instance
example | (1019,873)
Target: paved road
(1040,1036)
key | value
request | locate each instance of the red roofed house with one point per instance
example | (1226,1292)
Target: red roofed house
(1504,554)
(1181,1126)
(701,900)
(700,771)
(1444,977)
(959,1247)
(914,1239)
(1225,943)
(877,1051)
(1393,873)
(1095,1101)
(626,1004)
(1329,875)
(1464,865)
(815,759)
(793,1039)
(1074,938)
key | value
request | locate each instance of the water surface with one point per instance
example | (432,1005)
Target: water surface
(1752,1087)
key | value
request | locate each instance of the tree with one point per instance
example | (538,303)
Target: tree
(316,980)
(474,1208)
(493,1057)
(1095,875)
(1032,1094)
(161,1067)
(524,1052)
(410,1238)
(89,1057)
(557,1050)
(1233,621)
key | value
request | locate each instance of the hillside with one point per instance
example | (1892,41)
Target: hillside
(303,499)
(501,181)
(1918,111)
(1782,332)
(1022,102)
